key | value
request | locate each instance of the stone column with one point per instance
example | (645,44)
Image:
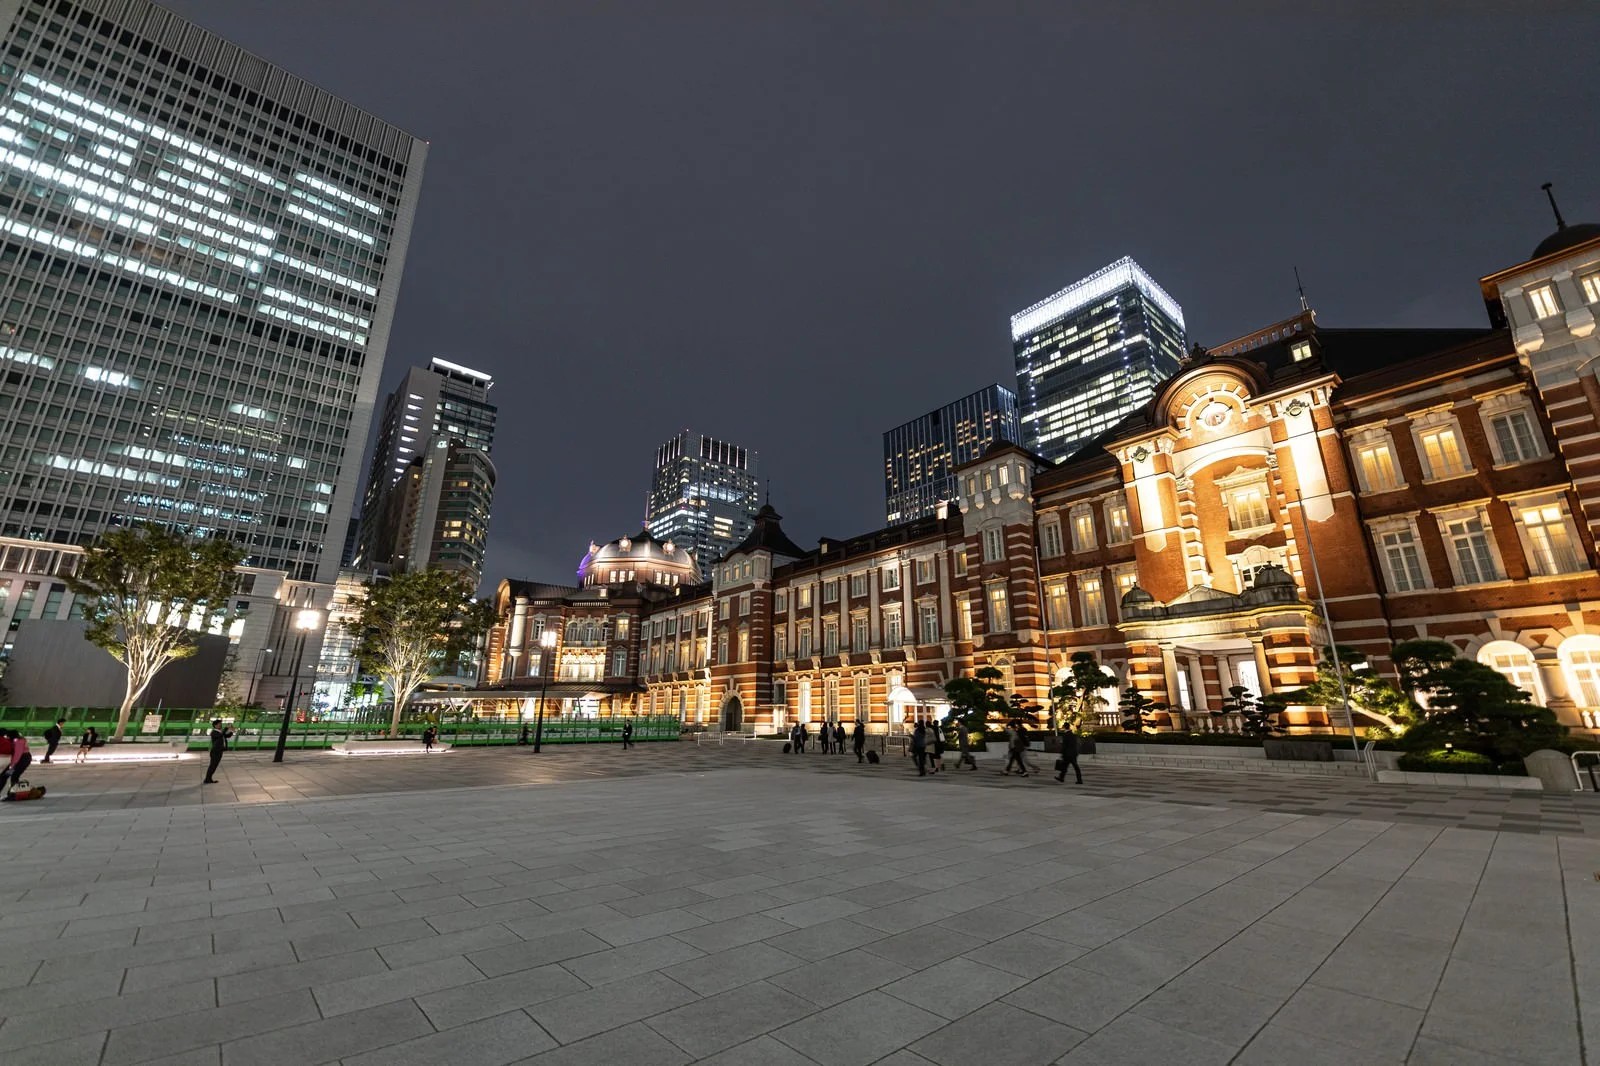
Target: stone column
(1169,671)
(515,638)
(1263,668)
(1557,695)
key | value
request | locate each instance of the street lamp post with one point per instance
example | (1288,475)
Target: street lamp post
(304,622)
(547,642)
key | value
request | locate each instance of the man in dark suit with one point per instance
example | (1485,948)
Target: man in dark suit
(52,737)
(219,744)
(1069,756)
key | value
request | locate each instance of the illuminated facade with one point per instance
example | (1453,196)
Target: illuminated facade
(920,457)
(431,482)
(1092,354)
(1431,483)
(703,495)
(200,255)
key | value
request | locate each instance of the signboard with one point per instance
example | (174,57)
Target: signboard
(151,724)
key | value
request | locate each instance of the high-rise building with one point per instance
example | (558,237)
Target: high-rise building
(703,496)
(1091,355)
(199,257)
(431,482)
(920,457)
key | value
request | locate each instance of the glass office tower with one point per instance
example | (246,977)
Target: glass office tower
(436,415)
(1090,355)
(199,255)
(703,496)
(920,457)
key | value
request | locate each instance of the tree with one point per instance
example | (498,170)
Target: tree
(1367,691)
(145,586)
(1474,707)
(1137,709)
(415,625)
(1075,698)
(1416,660)
(975,701)
(1256,719)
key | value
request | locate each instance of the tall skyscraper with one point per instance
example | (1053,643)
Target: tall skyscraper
(1092,354)
(431,482)
(199,256)
(703,496)
(920,457)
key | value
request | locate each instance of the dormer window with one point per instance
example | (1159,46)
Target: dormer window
(1542,299)
(1590,283)
(1300,351)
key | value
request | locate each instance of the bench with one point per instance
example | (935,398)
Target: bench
(387,747)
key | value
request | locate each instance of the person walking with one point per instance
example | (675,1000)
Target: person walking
(1069,756)
(936,747)
(1023,740)
(7,749)
(801,735)
(427,738)
(824,738)
(964,745)
(21,758)
(838,738)
(1015,744)
(919,748)
(859,736)
(627,734)
(52,737)
(86,743)
(220,736)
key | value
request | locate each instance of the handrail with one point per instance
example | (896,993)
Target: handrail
(1594,780)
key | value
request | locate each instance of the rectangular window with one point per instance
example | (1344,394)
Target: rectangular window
(860,585)
(1375,464)
(1514,434)
(1247,508)
(619,662)
(999,610)
(744,644)
(891,577)
(1550,543)
(1059,607)
(722,610)
(924,571)
(780,601)
(960,565)
(1092,599)
(1591,287)
(744,604)
(863,703)
(780,643)
(1542,299)
(830,592)
(802,644)
(1118,529)
(780,693)
(860,634)
(1050,540)
(1468,540)
(830,699)
(722,648)
(891,629)
(1127,578)
(994,545)
(830,637)
(964,619)
(803,598)
(1185,698)
(1441,449)
(1083,530)
(928,624)
(1403,561)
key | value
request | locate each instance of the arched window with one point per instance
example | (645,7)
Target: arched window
(1580,657)
(1515,663)
(572,632)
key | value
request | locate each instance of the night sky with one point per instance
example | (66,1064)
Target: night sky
(797,229)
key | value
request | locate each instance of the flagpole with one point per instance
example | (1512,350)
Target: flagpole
(1327,620)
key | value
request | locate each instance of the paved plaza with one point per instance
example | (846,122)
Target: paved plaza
(731,905)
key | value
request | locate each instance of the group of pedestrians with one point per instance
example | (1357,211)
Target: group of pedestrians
(830,738)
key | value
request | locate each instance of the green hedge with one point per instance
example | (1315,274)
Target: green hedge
(1440,761)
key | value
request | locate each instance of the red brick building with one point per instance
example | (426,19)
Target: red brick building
(1428,483)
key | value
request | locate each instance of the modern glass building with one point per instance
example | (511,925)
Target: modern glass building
(1091,355)
(703,496)
(199,256)
(431,481)
(920,457)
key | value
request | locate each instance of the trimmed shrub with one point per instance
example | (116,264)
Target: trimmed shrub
(1440,761)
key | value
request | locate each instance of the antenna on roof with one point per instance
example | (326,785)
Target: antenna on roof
(767,500)
(1304,306)
(1561,223)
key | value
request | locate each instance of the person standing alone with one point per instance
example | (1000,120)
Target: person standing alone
(919,748)
(52,737)
(627,734)
(220,735)
(859,735)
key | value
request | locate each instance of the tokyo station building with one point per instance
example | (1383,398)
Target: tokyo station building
(1429,483)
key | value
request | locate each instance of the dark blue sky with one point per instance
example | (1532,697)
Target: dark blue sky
(798,228)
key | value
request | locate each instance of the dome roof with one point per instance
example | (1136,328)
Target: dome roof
(1567,237)
(1137,596)
(1273,574)
(642,558)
